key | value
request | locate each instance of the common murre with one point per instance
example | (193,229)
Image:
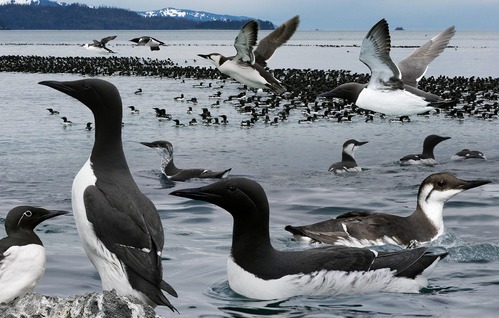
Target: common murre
(165,150)
(248,66)
(385,93)
(22,255)
(427,157)
(119,226)
(362,229)
(100,46)
(149,41)
(347,163)
(256,270)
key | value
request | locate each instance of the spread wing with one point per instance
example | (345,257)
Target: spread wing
(107,39)
(375,53)
(415,65)
(267,46)
(245,42)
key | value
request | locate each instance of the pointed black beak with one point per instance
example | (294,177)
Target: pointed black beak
(149,144)
(195,194)
(50,214)
(205,56)
(470,184)
(360,143)
(64,87)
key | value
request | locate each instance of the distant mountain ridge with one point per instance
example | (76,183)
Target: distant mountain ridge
(46,14)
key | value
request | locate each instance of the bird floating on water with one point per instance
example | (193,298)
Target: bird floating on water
(362,229)
(427,157)
(165,150)
(347,163)
(255,269)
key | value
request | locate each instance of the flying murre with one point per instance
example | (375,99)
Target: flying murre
(361,229)
(149,41)
(165,150)
(119,226)
(22,255)
(100,46)
(248,66)
(347,163)
(385,93)
(256,270)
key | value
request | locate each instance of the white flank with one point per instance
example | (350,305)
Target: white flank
(245,75)
(392,102)
(428,162)
(20,270)
(354,242)
(111,269)
(321,283)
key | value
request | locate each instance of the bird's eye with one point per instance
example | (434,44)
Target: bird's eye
(28,213)
(232,188)
(440,184)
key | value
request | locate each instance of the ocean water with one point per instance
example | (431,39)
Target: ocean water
(39,159)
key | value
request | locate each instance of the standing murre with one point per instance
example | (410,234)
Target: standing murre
(119,226)
(165,150)
(100,46)
(347,163)
(22,255)
(427,157)
(362,229)
(256,270)
(248,66)
(385,93)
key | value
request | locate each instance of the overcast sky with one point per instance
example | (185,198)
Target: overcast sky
(340,14)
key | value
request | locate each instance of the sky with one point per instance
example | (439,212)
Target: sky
(339,14)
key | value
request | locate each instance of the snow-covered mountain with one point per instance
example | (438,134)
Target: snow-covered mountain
(192,15)
(34,2)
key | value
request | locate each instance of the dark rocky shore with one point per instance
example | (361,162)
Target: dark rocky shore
(472,95)
(106,304)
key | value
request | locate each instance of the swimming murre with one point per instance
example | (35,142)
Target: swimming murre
(427,157)
(248,66)
(385,93)
(361,229)
(119,226)
(22,255)
(256,270)
(347,163)
(165,150)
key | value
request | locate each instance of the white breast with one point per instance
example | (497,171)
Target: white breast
(111,269)
(321,283)
(21,270)
(244,75)
(389,102)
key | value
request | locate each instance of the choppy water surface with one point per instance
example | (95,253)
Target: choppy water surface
(39,159)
